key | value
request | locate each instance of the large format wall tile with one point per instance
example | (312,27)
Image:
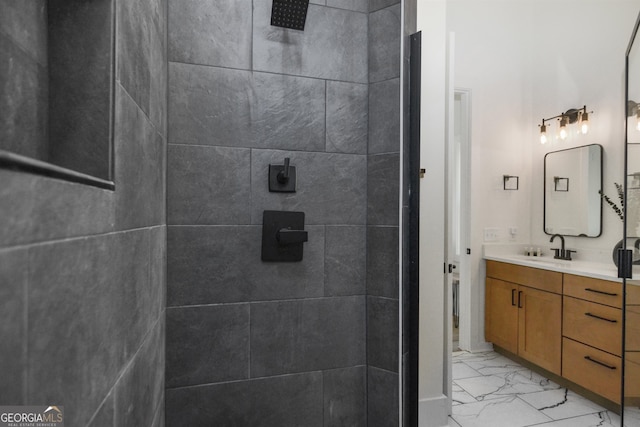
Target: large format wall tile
(307,335)
(382,261)
(380,4)
(382,333)
(140,150)
(347,114)
(26,23)
(158,265)
(355,5)
(89,308)
(24,102)
(331,188)
(384,117)
(142,55)
(383,173)
(208,185)
(382,390)
(80,84)
(13,288)
(207,344)
(209,265)
(345,397)
(384,44)
(140,390)
(286,401)
(332,45)
(36,209)
(211,32)
(345,266)
(105,415)
(225,107)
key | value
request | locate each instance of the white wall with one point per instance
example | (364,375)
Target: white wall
(493,60)
(587,70)
(432,402)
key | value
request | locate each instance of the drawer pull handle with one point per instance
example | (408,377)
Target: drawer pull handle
(601,318)
(601,292)
(513,297)
(599,363)
(519,299)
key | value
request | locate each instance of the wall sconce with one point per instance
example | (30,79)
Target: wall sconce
(570,116)
(560,184)
(510,182)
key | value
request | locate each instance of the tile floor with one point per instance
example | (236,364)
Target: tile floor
(490,390)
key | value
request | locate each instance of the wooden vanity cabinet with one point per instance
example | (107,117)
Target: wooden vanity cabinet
(592,331)
(523,313)
(567,324)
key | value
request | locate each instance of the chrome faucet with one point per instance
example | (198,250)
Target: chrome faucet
(561,253)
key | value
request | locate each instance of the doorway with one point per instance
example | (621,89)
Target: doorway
(460,184)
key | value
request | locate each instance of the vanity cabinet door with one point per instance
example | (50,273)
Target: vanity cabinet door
(501,314)
(540,328)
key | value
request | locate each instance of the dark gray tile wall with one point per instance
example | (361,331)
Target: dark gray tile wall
(248,342)
(345,397)
(13,325)
(23,73)
(307,335)
(80,76)
(84,269)
(382,392)
(283,401)
(384,44)
(383,179)
(332,46)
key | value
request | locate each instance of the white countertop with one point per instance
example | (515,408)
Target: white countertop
(605,271)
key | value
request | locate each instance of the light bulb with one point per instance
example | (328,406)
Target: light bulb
(563,128)
(638,118)
(543,134)
(584,123)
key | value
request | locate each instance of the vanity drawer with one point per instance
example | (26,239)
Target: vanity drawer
(593,369)
(594,324)
(596,290)
(545,280)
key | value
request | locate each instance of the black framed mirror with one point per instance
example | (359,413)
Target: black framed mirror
(572,185)
(56,75)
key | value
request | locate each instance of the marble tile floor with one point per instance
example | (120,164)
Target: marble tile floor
(490,390)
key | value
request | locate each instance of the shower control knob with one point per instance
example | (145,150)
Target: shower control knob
(283,175)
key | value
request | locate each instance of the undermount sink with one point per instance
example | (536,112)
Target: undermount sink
(543,260)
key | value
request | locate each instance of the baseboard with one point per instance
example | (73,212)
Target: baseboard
(433,412)
(482,347)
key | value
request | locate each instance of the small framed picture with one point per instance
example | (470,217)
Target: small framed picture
(510,182)
(561,184)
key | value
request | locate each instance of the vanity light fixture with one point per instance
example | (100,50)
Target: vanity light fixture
(543,133)
(570,116)
(563,128)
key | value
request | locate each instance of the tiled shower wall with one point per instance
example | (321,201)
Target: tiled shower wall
(24,101)
(383,171)
(253,343)
(82,270)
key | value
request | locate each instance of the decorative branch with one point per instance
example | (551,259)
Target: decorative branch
(618,210)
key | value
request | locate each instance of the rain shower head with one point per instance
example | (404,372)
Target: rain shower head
(289,13)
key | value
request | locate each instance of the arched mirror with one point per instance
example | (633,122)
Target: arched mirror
(631,348)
